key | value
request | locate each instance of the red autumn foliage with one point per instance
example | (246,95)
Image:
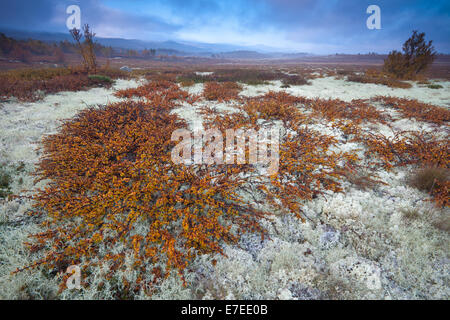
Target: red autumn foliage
(114,191)
(411,108)
(221,91)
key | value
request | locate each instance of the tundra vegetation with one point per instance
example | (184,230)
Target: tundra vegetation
(32,84)
(111,201)
(416,57)
(115,196)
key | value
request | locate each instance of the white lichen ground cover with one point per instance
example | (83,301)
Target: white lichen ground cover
(359,244)
(22,126)
(334,88)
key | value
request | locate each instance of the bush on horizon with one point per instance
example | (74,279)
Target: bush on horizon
(416,57)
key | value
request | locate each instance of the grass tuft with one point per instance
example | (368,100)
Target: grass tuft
(100,79)
(5,182)
(427,178)
(376,77)
(434,86)
(294,80)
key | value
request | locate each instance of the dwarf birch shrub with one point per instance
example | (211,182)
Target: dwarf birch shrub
(114,193)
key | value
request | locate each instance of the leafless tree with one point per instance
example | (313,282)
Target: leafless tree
(86,48)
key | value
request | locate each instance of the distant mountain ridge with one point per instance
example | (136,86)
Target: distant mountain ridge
(177,47)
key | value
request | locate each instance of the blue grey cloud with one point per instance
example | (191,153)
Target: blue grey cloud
(313,25)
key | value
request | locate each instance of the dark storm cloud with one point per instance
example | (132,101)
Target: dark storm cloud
(314,25)
(109,21)
(50,15)
(20,14)
(331,21)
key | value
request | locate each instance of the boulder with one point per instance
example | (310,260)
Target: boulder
(126,68)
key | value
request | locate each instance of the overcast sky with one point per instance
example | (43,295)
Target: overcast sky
(317,26)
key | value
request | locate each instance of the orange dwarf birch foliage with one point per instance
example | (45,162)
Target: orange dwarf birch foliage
(221,91)
(307,166)
(114,191)
(403,148)
(409,148)
(415,148)
(357,110)
(158,92)
(418,110)
(307,169)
